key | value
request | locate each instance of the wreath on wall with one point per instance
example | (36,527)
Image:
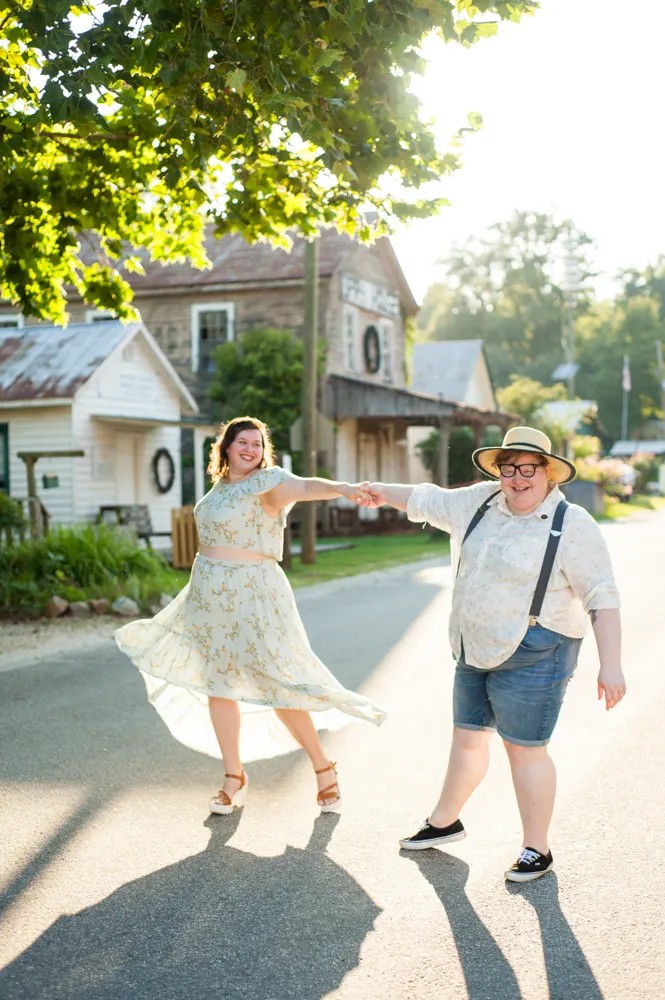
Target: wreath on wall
(163,470)
(372,349)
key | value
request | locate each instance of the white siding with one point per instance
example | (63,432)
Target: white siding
(479,392)
(346,452)
(117,467)
(417,473)
(43,429)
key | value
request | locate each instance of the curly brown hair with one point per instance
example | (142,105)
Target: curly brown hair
(218,464)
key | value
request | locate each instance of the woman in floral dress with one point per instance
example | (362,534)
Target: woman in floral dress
(233,637)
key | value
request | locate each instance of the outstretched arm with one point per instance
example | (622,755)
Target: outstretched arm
(607,631)
(297,488)
(393,494)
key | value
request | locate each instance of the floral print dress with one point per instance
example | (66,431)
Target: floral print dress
(235,632)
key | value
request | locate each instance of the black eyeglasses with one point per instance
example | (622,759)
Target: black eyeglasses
(527,469)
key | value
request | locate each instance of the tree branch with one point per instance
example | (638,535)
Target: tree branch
(93,137)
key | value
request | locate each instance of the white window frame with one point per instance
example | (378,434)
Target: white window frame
(20,322)
(350,338)
(387,345)
(201,307)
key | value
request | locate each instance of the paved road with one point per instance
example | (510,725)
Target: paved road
(116,885)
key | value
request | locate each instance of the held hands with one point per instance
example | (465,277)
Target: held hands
(366,494)
(612,684)
(360,494)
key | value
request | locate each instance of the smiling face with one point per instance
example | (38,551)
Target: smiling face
(245,452)
(524,493)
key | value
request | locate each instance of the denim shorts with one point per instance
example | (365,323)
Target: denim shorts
(522,697)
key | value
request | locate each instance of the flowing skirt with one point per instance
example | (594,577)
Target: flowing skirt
(235,632)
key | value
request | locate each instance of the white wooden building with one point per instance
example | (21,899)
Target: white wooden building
(456,371)
(105,389)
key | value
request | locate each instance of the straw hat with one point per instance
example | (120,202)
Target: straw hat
(526,439)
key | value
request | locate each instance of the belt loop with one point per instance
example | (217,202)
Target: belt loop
(533,621)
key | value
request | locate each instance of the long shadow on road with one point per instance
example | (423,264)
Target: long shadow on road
(487,972)
(569,974)
(222,922)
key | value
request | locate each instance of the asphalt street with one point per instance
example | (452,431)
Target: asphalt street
(115,883)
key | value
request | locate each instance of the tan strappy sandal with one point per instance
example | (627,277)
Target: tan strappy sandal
(324,793)
(223,804)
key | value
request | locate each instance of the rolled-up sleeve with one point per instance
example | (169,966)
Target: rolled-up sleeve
(586,563)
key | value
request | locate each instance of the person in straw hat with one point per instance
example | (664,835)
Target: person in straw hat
(529,568)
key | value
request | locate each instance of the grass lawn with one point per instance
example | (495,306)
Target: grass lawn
(614,509)
(369,552)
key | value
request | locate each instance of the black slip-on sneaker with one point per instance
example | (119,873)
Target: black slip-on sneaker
(433,836)
(530,865)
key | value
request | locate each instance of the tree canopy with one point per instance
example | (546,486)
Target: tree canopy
(504,287)
(140,120)
(246,374)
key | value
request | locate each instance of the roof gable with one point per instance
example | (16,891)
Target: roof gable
(52,362)
(445,368)
(236,262)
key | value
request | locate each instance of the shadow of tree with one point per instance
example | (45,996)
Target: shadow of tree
(222,920)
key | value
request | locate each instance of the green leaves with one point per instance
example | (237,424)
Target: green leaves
(247,371)
(139,120)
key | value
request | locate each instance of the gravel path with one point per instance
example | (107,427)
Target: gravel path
(26,642)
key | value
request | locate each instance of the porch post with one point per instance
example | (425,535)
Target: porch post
(36,527)
(444,447)
(309,387)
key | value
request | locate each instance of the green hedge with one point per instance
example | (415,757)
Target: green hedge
(79,563)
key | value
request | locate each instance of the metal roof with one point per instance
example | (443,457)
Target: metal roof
(621,449)
(445,368)
(236,263)
(52,362)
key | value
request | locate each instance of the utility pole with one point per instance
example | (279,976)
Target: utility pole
(309,385)
(626,387)
(661,375)
(571,284)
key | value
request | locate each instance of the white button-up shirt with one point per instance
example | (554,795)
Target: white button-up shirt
(500,563)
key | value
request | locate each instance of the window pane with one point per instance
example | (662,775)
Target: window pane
(213,330)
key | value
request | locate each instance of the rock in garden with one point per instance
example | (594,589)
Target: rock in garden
(164,600)
(55,606)
(99,605)
(125,607)
(79,609)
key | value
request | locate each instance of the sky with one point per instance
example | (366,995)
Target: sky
(572,103)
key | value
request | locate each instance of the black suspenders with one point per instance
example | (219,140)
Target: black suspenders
(548,559)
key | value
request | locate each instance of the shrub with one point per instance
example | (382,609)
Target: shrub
(12,519)
(646,468)
(78,563)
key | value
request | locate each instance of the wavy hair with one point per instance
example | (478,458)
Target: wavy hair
(218,464)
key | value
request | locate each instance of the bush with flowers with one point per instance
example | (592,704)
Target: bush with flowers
(615,476)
